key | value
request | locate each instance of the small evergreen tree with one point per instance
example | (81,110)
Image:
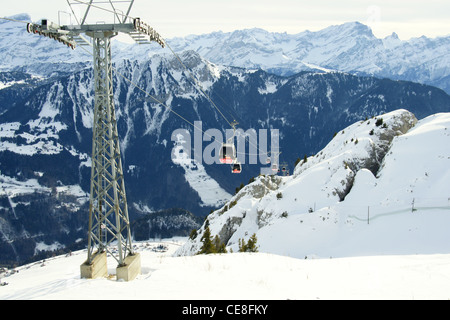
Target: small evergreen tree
(208,246)
(250,246)
(242,245)
(239,188)
(379,122)
(211,245)
(193,234)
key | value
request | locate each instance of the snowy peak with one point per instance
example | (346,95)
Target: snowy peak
(392,41)
(350,47)
(204,71)
(347,30)
(393,36)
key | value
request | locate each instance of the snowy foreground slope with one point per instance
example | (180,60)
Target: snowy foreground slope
(381,186)
(238,276)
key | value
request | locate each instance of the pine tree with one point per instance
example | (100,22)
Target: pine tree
(208,246)
(250,246)
(242,245)
(193,234)
(239,188)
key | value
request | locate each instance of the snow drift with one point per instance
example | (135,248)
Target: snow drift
(237,276)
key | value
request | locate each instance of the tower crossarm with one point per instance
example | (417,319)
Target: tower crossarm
(138,30)
(144,29)
(52,31)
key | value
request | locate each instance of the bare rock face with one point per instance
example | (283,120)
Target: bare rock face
(399,124)
(361,145)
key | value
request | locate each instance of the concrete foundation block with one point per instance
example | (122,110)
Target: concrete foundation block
(131,269)
(97,269)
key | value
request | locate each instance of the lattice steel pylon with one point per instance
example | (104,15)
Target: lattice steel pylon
(108,210)
(109,225)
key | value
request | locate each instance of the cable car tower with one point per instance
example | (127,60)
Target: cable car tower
(108,211)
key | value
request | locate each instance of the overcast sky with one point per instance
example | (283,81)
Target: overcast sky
(171,18)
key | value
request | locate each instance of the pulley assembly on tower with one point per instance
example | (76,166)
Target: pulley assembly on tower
(138,30)
(52,31)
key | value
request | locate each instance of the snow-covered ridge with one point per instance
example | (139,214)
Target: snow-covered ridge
(350,47)
(379,187)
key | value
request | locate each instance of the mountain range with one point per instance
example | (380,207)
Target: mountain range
(46,116)
(350,47)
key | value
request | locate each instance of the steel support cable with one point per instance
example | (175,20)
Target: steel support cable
(14,20)
(198,84)
(104,9)
(174,53)
(209,98)
(184,66)
(155,99)
(152,97)
(180,116)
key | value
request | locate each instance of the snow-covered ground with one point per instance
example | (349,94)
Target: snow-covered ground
(237,276)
